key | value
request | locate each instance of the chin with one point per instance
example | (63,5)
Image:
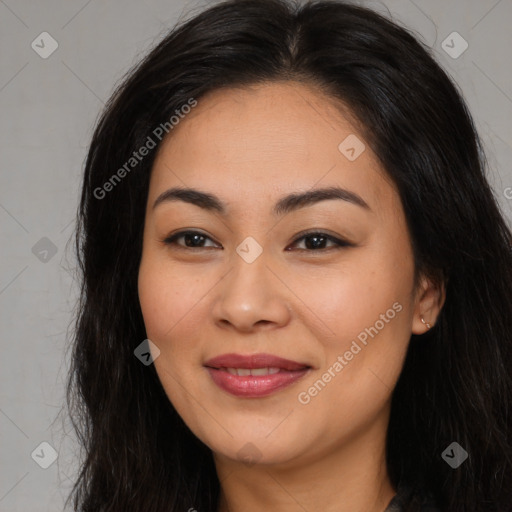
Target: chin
(254,447)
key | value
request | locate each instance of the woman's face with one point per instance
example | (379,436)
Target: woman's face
(249,282)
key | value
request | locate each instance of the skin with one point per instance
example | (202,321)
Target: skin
(250,147)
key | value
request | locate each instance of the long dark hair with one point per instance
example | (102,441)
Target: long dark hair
(456,382)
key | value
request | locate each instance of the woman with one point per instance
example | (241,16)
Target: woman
(297,283)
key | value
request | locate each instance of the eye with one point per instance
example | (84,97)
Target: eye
(317,241)
(195,238)
(314,241)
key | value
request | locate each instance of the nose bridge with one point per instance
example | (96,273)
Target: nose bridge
(250,293)
(249,279)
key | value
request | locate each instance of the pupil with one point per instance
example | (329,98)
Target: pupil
(192,236)
(314,245)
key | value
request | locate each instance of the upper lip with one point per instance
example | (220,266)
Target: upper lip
(254,361)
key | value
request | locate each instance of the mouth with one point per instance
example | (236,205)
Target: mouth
(256,375)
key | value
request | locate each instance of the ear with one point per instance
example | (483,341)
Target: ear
(430,298)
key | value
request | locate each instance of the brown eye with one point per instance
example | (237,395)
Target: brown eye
(315,241)
(192,239)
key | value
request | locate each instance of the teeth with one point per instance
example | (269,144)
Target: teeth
(260,371)
(244,372)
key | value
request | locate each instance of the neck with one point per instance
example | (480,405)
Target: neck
(351,477)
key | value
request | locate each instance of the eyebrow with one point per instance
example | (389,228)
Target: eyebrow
(284,205)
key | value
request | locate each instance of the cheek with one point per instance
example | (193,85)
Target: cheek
(163,300)
(171,307)
(157,300)
(362,363)
(368,312)
(166,298)
(345,300)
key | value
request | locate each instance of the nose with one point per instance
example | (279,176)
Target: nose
(251,296)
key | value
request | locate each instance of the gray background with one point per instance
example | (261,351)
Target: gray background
(49,107)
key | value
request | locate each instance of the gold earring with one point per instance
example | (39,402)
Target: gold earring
(426,323)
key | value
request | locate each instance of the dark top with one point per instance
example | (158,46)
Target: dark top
(403,495)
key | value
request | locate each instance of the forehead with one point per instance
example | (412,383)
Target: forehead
(261,141)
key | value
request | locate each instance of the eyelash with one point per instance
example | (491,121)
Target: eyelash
(340,243)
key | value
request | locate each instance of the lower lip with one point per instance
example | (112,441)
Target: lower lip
(254,386)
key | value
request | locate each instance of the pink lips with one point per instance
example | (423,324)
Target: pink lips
(272,373)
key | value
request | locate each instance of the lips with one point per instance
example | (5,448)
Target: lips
(255,375)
